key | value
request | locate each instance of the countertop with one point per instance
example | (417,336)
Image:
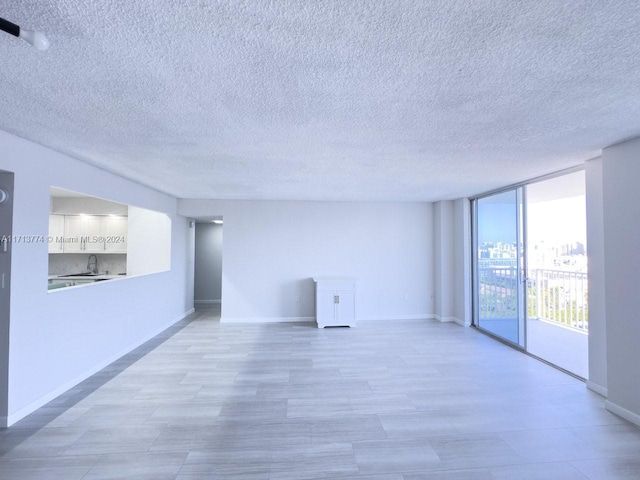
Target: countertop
(63,278)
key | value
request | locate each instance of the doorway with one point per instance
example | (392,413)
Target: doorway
(208,266)
(530,269)
(6,232)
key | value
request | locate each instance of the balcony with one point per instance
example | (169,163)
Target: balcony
(557,313)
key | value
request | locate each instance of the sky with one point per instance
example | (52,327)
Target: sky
(559,221)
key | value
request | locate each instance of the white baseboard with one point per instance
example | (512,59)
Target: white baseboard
(313,319)
(599,389)
(33,406)
(452,320)
(207,302)
(399,318)
(622,412)
(267,319)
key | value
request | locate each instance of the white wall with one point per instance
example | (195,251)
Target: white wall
(208,263)
(272,249)
(57,339)
(86,205)
(148,241)
(597,311)
(621,198)
(452,261)
(462,261)
(443,260)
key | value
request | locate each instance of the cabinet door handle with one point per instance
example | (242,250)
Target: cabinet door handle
(336,299)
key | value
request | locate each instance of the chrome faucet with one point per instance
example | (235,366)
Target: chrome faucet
(94,263)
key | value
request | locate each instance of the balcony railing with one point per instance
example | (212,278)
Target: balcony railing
(556,296)
(561,297)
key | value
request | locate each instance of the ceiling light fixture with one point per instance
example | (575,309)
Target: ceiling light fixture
(37,39)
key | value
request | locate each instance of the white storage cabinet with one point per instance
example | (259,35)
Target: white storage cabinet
(56,233)
(115,234)
(80,232)
(88,233)
(335,301)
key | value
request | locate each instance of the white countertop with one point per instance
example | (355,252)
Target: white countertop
(63,278)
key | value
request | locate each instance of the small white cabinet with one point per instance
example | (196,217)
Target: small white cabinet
(335,301)
(56,233)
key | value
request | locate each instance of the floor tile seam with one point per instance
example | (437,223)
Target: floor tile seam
(490,468)
(576,463)
(4,459)
(587,456)
(93,466)
(104,456)
(435,437)
(608,458)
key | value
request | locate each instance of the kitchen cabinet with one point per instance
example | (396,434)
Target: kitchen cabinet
(335,301)
(94,233)
(115,234)
(56,233)
(83,234)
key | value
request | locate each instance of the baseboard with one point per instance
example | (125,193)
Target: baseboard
(267,319)
(207,302)
(398,318)
(599,389)
(33,406)
(622,412)
(452,320)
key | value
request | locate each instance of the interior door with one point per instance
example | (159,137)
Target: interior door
(499,279)
(6,231)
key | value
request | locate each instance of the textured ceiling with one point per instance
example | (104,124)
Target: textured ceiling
(324,100)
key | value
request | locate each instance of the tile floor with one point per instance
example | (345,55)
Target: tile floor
(416,401)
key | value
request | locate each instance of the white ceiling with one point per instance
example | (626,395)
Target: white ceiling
(324,100)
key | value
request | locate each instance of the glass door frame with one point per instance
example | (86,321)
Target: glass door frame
(524,235)
(521,266)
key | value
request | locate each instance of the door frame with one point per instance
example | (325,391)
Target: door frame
(524,279)
(521,264)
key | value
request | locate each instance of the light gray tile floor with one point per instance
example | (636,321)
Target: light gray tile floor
(412,400)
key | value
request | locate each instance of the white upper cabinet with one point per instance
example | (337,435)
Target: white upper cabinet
(83,234)
(94,234)
(115,234)
(56,233)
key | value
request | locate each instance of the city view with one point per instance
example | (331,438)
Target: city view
(556,282)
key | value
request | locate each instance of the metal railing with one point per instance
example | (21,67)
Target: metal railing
(560,297)
(498,287)
(556,296)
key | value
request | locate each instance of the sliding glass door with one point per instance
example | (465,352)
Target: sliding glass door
(499,265)
(557,312)
(530,269)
